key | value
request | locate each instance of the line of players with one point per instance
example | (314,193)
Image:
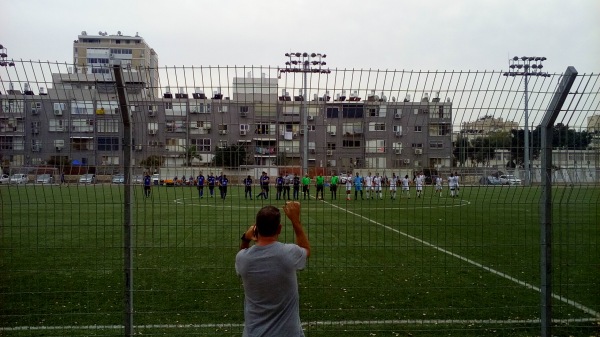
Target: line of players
(370,185)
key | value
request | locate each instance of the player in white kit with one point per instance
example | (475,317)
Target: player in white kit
(377,184)
(438,185)
(419,181)
(405,186)
(393,184)
(369,185)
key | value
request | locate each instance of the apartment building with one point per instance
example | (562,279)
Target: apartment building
(96,54)
(79,120)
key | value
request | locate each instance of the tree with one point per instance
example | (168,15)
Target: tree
(152,161)
(461,150)
(231,156)
(191,152)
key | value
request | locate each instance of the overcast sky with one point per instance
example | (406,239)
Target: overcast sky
(386,34)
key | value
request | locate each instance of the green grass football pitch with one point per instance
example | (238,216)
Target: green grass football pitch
(469,265)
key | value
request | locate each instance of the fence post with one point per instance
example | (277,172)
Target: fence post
(560,95)
(127,212)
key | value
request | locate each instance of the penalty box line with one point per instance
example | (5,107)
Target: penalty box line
(474,263)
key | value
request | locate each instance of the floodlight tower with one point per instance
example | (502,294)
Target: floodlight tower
(305,63)
(526,66)
(3,55)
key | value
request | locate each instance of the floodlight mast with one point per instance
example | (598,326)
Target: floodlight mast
(305,63)
(526,66)
(4,62)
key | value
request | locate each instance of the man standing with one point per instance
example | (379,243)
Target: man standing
(333,186)
(248,188)
(200,184)
(419,180)
(264,186)
(320,182)
(287,181)
(393,184)
(211,184)
(358,182)
(377,185)
(306,186)
(296,185)
(438,185)
(279,187)
(268,271)
(147,185)
(452,184)
(405,186)
(369,185)
(223,186)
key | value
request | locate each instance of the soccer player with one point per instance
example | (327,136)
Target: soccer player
(264,186)
(369,185)
(306,186)
(405,186)
(223,186)
(248,187)
(393,184)
(452,185)
(211,184)
(333,186)
(279,187)
(438,185)
(348,188)
(147,185)
(377,185)
(358,182)
(457,179)
(419,180)
(296,186)
(320,182)
(287,181)
(200,185)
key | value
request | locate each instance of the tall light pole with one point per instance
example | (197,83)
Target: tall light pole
(3,55)
(305,63)
(526,66)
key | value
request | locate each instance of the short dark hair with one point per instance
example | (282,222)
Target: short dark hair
(268,220)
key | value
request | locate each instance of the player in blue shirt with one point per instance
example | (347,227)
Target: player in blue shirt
(200,184)
(264,186)
(147,185)
(358,181)
(248,188)
(211,184)
(279,186)
(223,182)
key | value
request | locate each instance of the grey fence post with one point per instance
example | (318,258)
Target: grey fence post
(127,197)
(547,125)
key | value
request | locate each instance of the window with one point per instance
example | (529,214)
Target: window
(352,111)
(398,130)
(82,108)
(376,126)
(222,144)
(439,129)
(222,127)
(436,145)
(57,125)
(352,129)
(82,125)
(331,146)
(175,126)
(107,108)
(375,146)
(108,143)
(332,112)
(12,106)
(202,144)
(417,128)
(244,108)
(417,145)
(351,143)
(265,129)
(200,108)
(110,160)
(107,125)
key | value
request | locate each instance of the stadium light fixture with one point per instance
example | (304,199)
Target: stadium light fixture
(526,66)
(305,63)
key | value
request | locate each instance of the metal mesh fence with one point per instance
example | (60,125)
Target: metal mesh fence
(422,261)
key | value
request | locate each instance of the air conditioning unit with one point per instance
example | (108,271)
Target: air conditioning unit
(222,132)
(398,151)
(207,126)
(313,151)
(398,133)
(58,112)
(152,131)
(330,152)
(418,151)
(35,111)
(138,147)
(332,133)
(243,132)
(311,118)
(397,115)
(295,135)
(194,111)
(35,148)
(406,161)
(302,132)
(243,114)
(152,113)
(58,148)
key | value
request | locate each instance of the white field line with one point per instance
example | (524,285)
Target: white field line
(477,264)
(309,324)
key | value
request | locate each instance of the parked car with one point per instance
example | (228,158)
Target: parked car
(118,178)
(137,179)
(44,179)
(18,178)
(509,179)
(4,179)
(490,180)
(87,178)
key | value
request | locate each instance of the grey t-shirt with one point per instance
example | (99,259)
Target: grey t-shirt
(271,289)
